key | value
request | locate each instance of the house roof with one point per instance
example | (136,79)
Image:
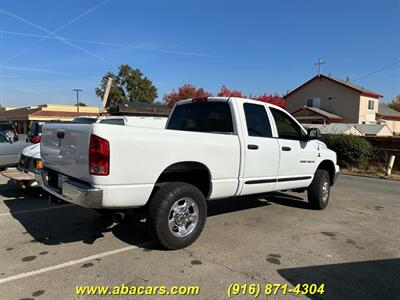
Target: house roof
(333,128)
(320,112)
(344,83)
(370,129)
(386,112)
(341,128)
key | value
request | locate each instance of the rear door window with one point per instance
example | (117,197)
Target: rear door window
(211,117)
(257,120)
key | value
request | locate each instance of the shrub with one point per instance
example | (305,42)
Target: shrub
(352,151)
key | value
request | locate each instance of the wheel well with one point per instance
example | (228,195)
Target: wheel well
(330,167)
(194,173)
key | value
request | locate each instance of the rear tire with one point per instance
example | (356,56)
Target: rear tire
(319,190)
(177,213)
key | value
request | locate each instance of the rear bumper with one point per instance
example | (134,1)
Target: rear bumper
(73,192)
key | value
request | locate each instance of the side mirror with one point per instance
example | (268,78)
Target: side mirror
(313,134)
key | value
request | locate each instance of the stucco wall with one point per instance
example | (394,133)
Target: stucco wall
(367,115)
(335,98)
(393,125)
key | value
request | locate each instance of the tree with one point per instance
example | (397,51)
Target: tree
(225,92)
(117,93)
(395,104)
(187,91)
(136,87)
(128,86)
(80,104)
(273,99)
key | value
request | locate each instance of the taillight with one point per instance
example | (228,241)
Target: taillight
(99,156)
(35,139)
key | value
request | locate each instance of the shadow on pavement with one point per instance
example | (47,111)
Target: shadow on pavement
(287,200)
(65,223)
(378,279)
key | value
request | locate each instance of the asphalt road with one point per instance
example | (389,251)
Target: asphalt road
(353,246)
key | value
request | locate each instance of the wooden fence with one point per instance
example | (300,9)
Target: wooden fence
(384,146)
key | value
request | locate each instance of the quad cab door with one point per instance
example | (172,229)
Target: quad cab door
(298,155)
(261,150)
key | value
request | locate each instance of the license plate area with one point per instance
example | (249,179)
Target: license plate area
(60,180)
(56,180)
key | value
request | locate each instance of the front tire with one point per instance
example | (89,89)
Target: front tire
(319,190)
(176,214)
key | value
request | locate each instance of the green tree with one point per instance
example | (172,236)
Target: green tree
(395,104)
(136,86)
(117,94)
(130,85)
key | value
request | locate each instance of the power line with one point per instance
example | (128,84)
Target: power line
(377,71)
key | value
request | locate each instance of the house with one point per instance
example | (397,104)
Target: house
(335,128)
(324,99)
(353,129)
(21,117)
(389,116)
(374,129)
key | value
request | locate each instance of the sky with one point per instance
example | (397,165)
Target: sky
(48,48)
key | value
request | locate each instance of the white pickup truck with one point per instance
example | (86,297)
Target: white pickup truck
(210,148)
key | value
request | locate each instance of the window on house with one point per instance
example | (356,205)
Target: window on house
(313,102)
(370,104)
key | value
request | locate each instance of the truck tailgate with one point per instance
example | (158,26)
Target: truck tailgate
(65,149)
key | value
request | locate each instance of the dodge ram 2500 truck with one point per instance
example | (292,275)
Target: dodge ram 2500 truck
(210,148)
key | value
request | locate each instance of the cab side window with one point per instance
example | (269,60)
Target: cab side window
(257,120)
(286,126)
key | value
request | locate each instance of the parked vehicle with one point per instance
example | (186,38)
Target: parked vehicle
(10,151)
(9,131)
(35,132)
(24,173)
(35,129)
(210,148)
(85,120)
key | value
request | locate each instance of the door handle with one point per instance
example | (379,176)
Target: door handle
(252,147)
(285,148)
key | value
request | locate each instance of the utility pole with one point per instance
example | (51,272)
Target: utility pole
(319,63)
(77,100)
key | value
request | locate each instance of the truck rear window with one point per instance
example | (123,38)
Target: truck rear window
(202,117)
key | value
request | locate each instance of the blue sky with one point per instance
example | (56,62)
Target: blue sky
(255,46)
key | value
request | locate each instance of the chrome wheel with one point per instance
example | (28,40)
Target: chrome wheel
(325,191)
(10,136)
(183,217)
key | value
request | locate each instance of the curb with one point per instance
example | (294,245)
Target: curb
(369,176)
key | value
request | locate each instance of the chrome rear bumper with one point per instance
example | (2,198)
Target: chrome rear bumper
(71,191)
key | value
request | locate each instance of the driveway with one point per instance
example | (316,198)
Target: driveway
(353,246)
